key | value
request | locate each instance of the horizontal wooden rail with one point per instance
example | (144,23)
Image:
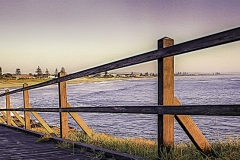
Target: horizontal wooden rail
(197,44)
(211,110)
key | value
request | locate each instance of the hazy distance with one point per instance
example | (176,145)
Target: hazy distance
(82,34)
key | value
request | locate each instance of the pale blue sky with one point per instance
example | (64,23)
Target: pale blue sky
(80,34)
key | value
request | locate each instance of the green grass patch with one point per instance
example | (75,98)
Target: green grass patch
(228,149)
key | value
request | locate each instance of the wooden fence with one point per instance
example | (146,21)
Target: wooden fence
(168,105)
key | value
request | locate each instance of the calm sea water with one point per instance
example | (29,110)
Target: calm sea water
(140,92)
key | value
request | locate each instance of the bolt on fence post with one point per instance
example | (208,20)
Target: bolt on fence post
(62,87)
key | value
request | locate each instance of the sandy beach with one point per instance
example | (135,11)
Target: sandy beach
(13,84)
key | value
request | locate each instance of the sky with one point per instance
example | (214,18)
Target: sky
(80,34)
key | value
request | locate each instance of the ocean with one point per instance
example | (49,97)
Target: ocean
(219,89)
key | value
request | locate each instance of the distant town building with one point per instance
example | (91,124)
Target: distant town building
(23,76)
(8,76)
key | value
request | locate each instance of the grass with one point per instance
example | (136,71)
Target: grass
(227,150)
(44,139)
(135,146)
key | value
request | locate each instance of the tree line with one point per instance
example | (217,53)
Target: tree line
(39,73)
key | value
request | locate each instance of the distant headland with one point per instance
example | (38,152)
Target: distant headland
(204,74)
(196,74)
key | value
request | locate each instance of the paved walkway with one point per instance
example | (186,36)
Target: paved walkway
(20,145)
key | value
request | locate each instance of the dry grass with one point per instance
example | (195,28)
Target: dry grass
(19,83)
(227,150)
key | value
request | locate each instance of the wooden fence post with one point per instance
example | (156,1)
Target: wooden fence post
(193,132)
(165,96)
(8,106)
(26,105)
(63,104)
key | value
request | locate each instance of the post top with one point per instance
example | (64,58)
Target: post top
(165,38)
(165,42)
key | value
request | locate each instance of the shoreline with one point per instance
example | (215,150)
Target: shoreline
(15,84)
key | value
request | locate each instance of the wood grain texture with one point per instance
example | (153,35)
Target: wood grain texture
(26,105)
(166,94)
(62,86)
(8,106)
(5,117)
(26,144)
(2,120)
(193,131)
(18,117)
(16,144)
(43,123)
(80,122)
(210,110)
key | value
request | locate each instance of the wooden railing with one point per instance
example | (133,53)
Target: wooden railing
(168,105)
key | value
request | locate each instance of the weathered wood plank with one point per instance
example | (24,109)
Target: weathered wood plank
(217,110)
(80,122)
(62,87)
(228,36)
(110,109)
(210,110)
(42,122)
(18,117)
(5,117)
(8,106)
(2,120)
(25,146)
(193,131)
(168,93)
(160,102)
(26,105)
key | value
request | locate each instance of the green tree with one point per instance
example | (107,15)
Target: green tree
(18,71)
(0,71)
(47,72)
(63,69)
(39,72)
(56,72)
(105,74)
